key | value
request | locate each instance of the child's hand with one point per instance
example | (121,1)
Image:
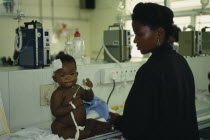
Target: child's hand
(77,102)
(87,82)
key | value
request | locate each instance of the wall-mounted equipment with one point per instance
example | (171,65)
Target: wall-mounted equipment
(190,42)
(8,5)
(194,43)
(118,43)
(33,45)
(87,4)
(205,41)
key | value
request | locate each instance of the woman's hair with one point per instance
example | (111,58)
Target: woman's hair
(154,16)
(175,32)
(65,58)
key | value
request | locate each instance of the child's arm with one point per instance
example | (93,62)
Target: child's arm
(56,106)
(88,94)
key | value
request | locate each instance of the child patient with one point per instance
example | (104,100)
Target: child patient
(67,103)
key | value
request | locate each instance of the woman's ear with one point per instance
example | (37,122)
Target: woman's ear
(161,32)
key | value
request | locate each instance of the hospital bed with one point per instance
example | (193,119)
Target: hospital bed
(34,133)
(43,132)
(203,118)
(203,114)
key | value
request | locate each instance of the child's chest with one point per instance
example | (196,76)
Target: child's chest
(70,95)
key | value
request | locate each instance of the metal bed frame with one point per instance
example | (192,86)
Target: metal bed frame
(105,136)
(204,123)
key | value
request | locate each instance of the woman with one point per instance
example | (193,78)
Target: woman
(161,102)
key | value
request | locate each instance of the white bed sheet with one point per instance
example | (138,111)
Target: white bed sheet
(32,133)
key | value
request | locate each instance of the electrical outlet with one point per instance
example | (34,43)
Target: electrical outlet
(110,74)
(127,74)
(118,74)
(45,93)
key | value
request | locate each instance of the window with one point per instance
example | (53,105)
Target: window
(182,22)
(192,8)
(130,4)
(177,5)
(187,12)
(202,21)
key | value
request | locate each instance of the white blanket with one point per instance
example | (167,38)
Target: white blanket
(32,134)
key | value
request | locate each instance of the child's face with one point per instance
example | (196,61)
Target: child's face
(67,76)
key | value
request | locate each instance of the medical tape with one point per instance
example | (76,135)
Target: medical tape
(72,105)
(56,64)
(78,128)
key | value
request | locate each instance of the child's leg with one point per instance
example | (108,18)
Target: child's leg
(62,131)
(97,127)
(68,132)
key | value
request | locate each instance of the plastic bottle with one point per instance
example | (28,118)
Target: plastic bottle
(68,48)
(78,45)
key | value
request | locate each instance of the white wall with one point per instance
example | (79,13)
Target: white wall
(24,86)
(200,67)
(102,17)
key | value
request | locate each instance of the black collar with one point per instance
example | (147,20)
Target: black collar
(166,46)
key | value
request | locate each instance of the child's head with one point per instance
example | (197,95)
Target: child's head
(66,76)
